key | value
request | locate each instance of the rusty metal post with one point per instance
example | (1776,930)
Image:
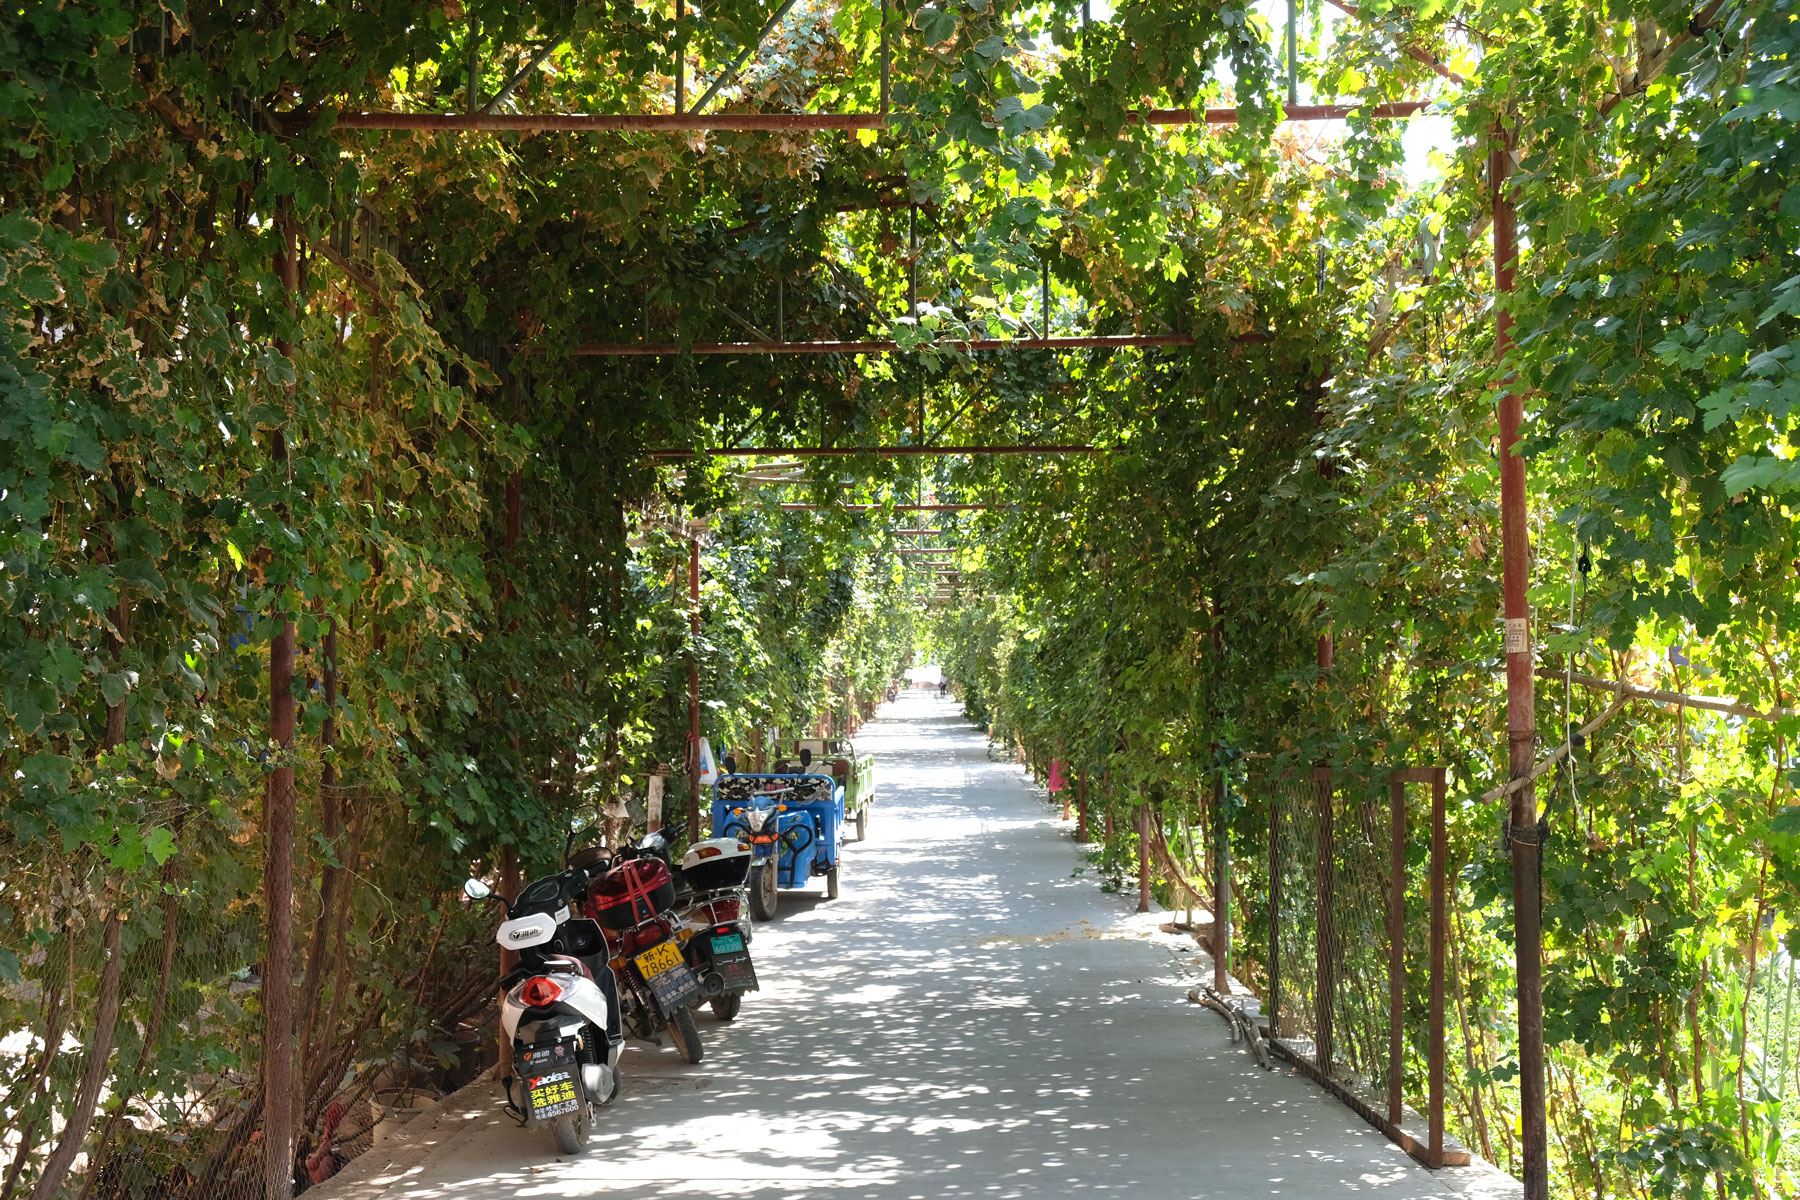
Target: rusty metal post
(1521,718)
(1440,933)
(509,591)
(278,833)
(912,271)
(1221,890)
(886,70)
(1325,943)
(1396,916)
(1143,831)
(1081,813)
(680,60)
(1276,815)
(693,828)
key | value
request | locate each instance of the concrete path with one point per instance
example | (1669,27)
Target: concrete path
(973,1018)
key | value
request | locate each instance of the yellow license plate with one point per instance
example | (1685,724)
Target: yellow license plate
(659,958)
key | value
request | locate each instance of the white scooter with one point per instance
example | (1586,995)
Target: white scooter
(560,1012)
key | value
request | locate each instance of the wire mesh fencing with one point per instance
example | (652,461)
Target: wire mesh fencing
(133,1063)
(1344,937)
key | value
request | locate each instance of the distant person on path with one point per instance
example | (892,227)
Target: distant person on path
(943,687)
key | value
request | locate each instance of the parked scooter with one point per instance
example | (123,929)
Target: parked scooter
(561,1009)
(633,900)
(715,933)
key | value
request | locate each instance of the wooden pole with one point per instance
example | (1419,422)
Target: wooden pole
(1521,718)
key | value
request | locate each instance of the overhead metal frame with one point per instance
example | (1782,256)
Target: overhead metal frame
(893,507)
(888,346)
(496,122)
(874,451)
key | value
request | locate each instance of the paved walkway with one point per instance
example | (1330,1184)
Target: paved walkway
(974,1018)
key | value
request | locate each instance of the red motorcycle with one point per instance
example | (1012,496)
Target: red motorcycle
(633,902)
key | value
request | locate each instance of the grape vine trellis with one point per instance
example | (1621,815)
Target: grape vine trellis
(319,547)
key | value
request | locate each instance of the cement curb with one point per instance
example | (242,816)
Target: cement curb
(380,1167)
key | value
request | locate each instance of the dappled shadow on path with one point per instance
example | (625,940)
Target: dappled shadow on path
(970,1019)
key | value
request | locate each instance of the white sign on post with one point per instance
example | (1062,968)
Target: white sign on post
(653,804)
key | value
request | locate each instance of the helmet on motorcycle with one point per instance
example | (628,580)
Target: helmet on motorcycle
(589,857)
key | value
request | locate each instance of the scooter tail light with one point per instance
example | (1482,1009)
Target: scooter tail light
(539,992)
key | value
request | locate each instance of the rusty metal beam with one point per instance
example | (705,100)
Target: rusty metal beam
(885,346)
(925,550)
(1289,113)
(895,508)
(876,451)
(602,122)
(492,122)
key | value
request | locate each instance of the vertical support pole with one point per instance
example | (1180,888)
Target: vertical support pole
(693,827)
(912,264)
(1521,718)
(1293,52)
(1221,889)
(1396,931)
(1081,816)
(1188,835)
(1046,297)
(1143,831)
(680,60)
(509,591)
(1325,945)
(886,70)
(1277,814)
(781,311)
(278,835)
(474,64)
(1440,935)
(509,891)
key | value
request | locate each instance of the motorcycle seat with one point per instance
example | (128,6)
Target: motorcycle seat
(568,962)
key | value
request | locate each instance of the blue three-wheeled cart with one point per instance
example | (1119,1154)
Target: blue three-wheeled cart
(794,821)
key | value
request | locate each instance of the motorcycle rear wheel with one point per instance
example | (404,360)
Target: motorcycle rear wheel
(686,1035)
(725,1008)
(763,899)
(572,1131)
(831,884)
(862,823)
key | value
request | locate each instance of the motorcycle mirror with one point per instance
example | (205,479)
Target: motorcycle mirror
(805,758)
(730,765)
(474,889)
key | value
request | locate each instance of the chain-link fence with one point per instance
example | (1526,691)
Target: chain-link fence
(133,1056)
